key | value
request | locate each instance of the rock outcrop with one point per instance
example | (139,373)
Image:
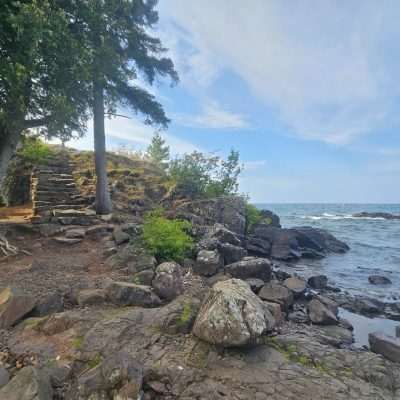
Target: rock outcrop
(232,315)
(386,345)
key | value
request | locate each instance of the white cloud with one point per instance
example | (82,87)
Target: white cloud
(213,116)
(330,68)
(250,166)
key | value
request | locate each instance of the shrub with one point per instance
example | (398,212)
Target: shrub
(33,150)
(199,175)
(253,216)
(166,239)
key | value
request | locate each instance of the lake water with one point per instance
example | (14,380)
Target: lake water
(374,245)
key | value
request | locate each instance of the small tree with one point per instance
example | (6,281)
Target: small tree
(158,151)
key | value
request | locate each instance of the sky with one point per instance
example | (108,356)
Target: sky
(307,91)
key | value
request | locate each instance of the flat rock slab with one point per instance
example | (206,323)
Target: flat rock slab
(68,241)
(78,233)
(386,345)
(129,294)
(14,305)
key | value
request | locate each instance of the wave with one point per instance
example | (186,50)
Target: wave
(339,217)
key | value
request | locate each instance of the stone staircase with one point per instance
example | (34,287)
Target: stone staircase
(53,187)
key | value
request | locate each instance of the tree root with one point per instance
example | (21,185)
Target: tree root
(6,248)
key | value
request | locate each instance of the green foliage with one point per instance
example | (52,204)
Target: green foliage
(166,239)
(253,216)
(158,151)
(198,175)
(33,150)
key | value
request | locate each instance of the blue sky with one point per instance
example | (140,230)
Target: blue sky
(307,91)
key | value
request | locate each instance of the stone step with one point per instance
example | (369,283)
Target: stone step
(51,208)
(55,189)
(42,195)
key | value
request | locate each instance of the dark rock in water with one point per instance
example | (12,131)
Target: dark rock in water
(319,240)
(232,315)
(376,215)
(276,293)
(168,282)
(270,218)
(129,294)
(232,253)
(250,267)
(29,384)
(283,242)
(320,314)
(14,305)
(119,373)
(296,285)
(379,280)
(318,281)
(208,262)
(255,284)
(385,345)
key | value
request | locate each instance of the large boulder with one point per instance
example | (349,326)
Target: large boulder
(229,211)
(168,281)
(129,294)
(14,305)
(275,293)
(208,262)
(119,374)
(257,246)
(90,297)
(320,314)
(296,285)
(29,384)
(270,218)
(318,281)
(232,315)
(231,253)
(224,235)
(250,267)
(385,345)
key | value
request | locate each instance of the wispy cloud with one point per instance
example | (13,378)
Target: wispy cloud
(329,68)
(213,116)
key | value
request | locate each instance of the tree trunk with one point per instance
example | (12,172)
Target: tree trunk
(8,144)
(103,201)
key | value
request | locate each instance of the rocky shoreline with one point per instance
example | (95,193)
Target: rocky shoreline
(231,322)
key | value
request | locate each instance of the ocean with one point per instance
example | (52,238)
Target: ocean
(374,248)
(374,245)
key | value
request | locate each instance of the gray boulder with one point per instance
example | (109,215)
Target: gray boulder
(224,235)
(89,297)
(168,280)
(255,284)
(208,262)
(296,285)
(385,345)
(232,315)
(231,253)
(144,277)
(250,267)
(120,236)
(318,281)
(258,247)
(14,305)
(320,314)
(4,376)
(119,374)
(276,293)
(29,384)
(379,280)
(129,294)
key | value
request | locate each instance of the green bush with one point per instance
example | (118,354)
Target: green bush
(33,150)
(199,175)
(253,216)
(166,239)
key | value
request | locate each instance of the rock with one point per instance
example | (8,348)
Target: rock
(51,303)
(299,316)
(283,242)
(120,236)
(281,275)
(77,233)
(119,374)
(336,335)
(232,315)
(296,285)
(258,247)
(329,303)
(270,218)
(144,277)
(380,215)
(224,235)
(68,241)
(168,281)
(379,280)
(131,228)
(318,281)
(90,297)
(319,240)
(208,262)
(29,384)
(4,376)
(255,284)
(276,311)
(14,305)
(208,243)
(276,293)
(109,251)
(385,345)
(231,253)
(398,331)
(99,231)
(250,267)
(132,256)
(129,294)
(320,314)
(344,323)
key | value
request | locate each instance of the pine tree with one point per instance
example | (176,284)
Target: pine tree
(158,151)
